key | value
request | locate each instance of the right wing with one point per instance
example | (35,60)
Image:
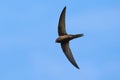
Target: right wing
(68,53)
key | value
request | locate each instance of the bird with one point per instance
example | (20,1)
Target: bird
(64,38)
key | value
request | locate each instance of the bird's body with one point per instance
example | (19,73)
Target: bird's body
(64,38)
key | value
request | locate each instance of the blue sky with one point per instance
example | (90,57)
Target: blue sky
(28,29)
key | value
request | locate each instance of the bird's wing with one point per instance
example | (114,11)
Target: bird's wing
(61,24)
(68,53)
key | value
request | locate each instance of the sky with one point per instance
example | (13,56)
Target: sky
(28,29)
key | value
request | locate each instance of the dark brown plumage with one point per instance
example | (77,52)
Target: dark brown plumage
(64,38)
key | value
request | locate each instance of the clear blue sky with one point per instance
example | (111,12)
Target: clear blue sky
(28,29)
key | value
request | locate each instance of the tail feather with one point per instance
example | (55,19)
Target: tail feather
(77,35)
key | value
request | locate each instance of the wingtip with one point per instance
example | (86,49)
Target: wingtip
(77,67)
(65,8)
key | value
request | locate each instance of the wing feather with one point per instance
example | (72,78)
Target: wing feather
(61,24)
(68,53)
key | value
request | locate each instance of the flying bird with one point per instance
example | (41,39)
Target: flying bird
(64,38)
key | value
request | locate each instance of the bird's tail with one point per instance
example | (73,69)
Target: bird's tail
(77,35)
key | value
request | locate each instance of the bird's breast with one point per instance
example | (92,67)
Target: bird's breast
(63,38)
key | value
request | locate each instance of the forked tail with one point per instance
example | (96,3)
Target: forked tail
(77,35)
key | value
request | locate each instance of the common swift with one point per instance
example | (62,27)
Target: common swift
(64,38)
